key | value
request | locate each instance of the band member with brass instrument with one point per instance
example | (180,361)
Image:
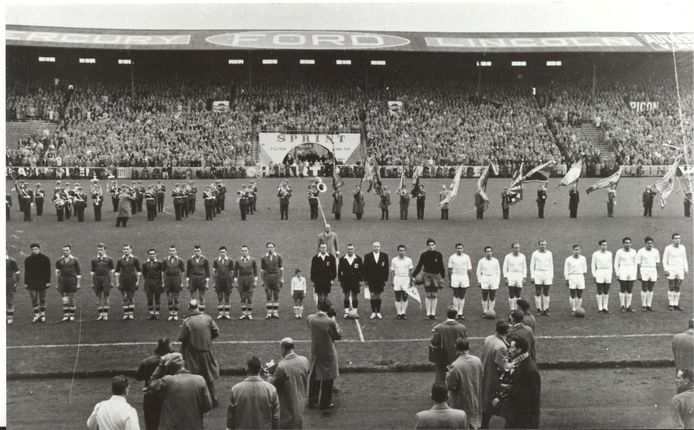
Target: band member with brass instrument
(192,192)
(221,195)
(80,202)
(39,198)
(209,201)
(184,200)
(114,190)
(177,195)
(26,199)
(67,196)
(284,192)
(59,203)
(97,199)
(161,194)
(312,194)
(252,196)
(151,202)
(243,201)
(140,188)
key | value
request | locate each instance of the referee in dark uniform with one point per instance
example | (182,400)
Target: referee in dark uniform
(349,273)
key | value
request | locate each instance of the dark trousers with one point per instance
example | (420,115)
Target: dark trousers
(151,404)
(68,211)
(687,208)
(420,210)
(647,210)
(444,213)
(97,212)
(39,207)
(191,205)
(209,212)
(541,210)
(338,215)
(160,204)
(114,201)
(80,213)
(504,212)
(320,393)
(573,212)
(27,212)
(384,213)
(243,207)
(480,213)
(178,211)
(151,212)
(184,209)
(7,209)
(139,204)
(122,220)
(313,204)
(403,212)
(59,211)
(610,209)
(284,211)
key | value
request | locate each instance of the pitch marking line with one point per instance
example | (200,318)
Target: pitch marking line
(273,342)
(361,334)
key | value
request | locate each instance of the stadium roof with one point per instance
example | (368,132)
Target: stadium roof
(472,26)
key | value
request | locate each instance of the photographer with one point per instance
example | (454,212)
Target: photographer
(290,377)
(253,403)
(324,366)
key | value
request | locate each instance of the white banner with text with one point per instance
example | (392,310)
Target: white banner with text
(275,146)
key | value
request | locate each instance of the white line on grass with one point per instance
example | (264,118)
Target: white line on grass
(261,342)
(361,335)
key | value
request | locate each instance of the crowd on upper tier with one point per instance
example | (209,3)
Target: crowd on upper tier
(170,121)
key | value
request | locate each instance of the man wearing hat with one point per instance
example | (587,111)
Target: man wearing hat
(192,192)
(59,202)
(39,198)
(291,380)
(97,199)
(26,199)
(221,195)
(67,196)
(161,193)
(196,336)
(151,203)
(184,396)
(647,200)
(113,189)
(151,403)
(177,196)
(140,195)
(80,202)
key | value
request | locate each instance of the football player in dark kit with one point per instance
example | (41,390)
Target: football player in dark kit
(349,273)
(198,276)
(37,279)
(128,272)
(431,263)
(151,203)
(152,270)
(67,270)
(39,198)
(209,200)
(102,268)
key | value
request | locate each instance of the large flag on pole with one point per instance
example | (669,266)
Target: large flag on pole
(455,185)
(666,185)
(401,185)
(371,175)
(538,174)
(482,181)
(608,182)
(573,174)
(515,190)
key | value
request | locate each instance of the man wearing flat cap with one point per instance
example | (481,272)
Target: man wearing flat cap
(196,336)
(184,396)
(151,403)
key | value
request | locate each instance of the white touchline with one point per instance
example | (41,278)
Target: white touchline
(361,335)
(361,340)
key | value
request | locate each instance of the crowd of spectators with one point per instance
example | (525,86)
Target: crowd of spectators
(170,122)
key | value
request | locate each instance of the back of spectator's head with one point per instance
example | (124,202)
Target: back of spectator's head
(253,365)
(517,316)
(523,304)
(451,312)
(502,327)
(119,385)
(324,305)
(521,343)
(173,362)
(687,374)
(163,346)
(287,343)
(462,344)
(439,392)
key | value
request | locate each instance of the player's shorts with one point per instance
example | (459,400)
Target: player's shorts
(649,274)
(154,286)
(676,273)
(67,285)
(626,274)
(489,282)
(172,284)
(196,283)
(11,288)
(401,283)
(348,287)
(376,287)
(299,295)
(245,284)
(460,281)
(127,284)
(322,287)
(577,282)
(101,284)
(36,286)
(515,280)
(543,277)
(603,276)
(432,282)
(222,285)
(271,281)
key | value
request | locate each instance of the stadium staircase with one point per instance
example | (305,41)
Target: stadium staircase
(590,133)
(23,129)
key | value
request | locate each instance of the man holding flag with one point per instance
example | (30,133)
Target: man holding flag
(572,176)
(610,182)
(481,199)
(666,185)
(447,195)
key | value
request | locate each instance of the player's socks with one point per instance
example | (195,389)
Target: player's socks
(644,299)
(485,305)
(398,308)
(268,307)
(427,305)
(202,307)
(572,302)
(669,297)
(628,299)
(403,307)
(301,310)
(545,300)
(492,303)
(461,305)
(538,303)
(510,304)
(433,306)
(622,300)
(649,298)
(605,300)
(579,302)
(598,298)
(676,298)
(455,304)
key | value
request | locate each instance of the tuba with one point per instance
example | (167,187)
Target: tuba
(320,186)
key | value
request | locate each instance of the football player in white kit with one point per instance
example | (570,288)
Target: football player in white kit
(488,275)
(625,269)
(459,269)
(401,267)
(515,271)
(601,269)
(542,273)
(675,267)
(647,258)
(575,267)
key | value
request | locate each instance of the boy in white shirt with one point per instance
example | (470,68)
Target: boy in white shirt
(298,292)
(647,259)
(575,267)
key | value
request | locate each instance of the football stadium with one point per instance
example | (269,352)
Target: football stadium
(408,168)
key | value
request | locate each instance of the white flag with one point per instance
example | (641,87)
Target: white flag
(666,185)
(456,183)
(573,174)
